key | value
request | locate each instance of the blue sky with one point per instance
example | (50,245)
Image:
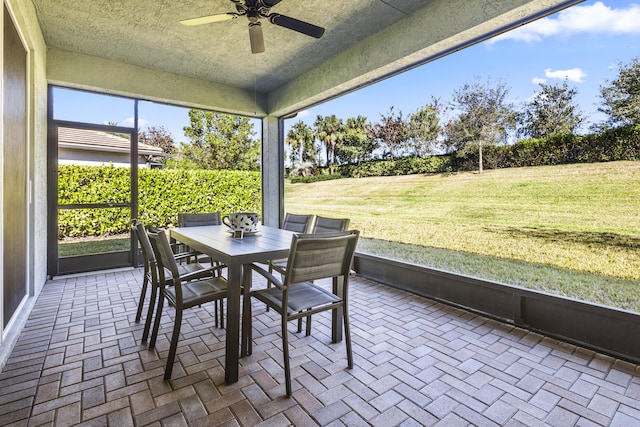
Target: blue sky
(583,44)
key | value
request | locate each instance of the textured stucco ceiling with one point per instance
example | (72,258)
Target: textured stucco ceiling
(364,40)
(147,33)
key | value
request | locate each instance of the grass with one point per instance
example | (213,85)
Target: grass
(572,230)
(88,246)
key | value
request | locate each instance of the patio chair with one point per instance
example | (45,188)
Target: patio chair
(315,224)
(180,292)
(298,223)
(320,224)
(312,257)
(148,260)
(151,275)
(197,220)
(328,225)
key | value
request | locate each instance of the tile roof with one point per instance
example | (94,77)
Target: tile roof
(93,140)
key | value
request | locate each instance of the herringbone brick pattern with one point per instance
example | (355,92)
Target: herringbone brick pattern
(79,361)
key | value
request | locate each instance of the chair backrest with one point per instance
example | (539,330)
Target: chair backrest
(298,223)
(319,256)
(166,262)
(145,245)
(326,225)
(163,253)
(199,219)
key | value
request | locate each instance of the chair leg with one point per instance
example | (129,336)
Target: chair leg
(215,313)
(269,283)
(147,322)
(221,302)
(143,293)
(285,352)
(250,334)
(308,327)
(246,347)
(156,323)
(173,346)
(347,336)
(308,331)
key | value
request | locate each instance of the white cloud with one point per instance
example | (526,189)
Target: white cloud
(128,122)
(595,19)
(573,74)
(303,114)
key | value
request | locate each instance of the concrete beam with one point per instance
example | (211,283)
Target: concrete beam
(98,74)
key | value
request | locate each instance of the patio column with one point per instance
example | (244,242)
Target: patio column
(272,170)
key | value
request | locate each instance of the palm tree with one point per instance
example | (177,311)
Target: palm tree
(358,143)
(300,138)
(329,130)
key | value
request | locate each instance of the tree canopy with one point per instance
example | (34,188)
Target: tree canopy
(220,141)
(158,137)
(424,129)
(391,132)
(357,145)
(551,111)
(485,117)
(621,96)
(300,139)
(329,131)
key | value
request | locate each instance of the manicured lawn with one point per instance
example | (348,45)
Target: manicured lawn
(578,226)
(96,245)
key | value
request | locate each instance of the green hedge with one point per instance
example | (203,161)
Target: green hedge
(401,166)
(611,145)
(314,178)
(162,194)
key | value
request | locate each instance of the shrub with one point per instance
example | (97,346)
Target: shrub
(612,145)
(314,178)
(162,194)
(401,166)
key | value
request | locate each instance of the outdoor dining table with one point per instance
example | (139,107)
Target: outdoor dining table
(219,243)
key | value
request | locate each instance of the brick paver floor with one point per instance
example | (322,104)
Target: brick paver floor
(79,361)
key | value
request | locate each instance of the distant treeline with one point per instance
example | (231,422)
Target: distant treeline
(621,143)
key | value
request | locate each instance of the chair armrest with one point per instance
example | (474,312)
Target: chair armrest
(278,265)
(198,274)
(184,255)
(270,277)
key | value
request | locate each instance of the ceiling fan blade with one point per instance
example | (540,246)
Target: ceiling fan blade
(209,19)
(270,3)
(296,25)
(255,36)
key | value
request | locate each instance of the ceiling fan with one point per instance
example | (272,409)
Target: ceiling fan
(254,10)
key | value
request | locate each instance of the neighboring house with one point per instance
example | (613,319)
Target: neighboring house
(97,148)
